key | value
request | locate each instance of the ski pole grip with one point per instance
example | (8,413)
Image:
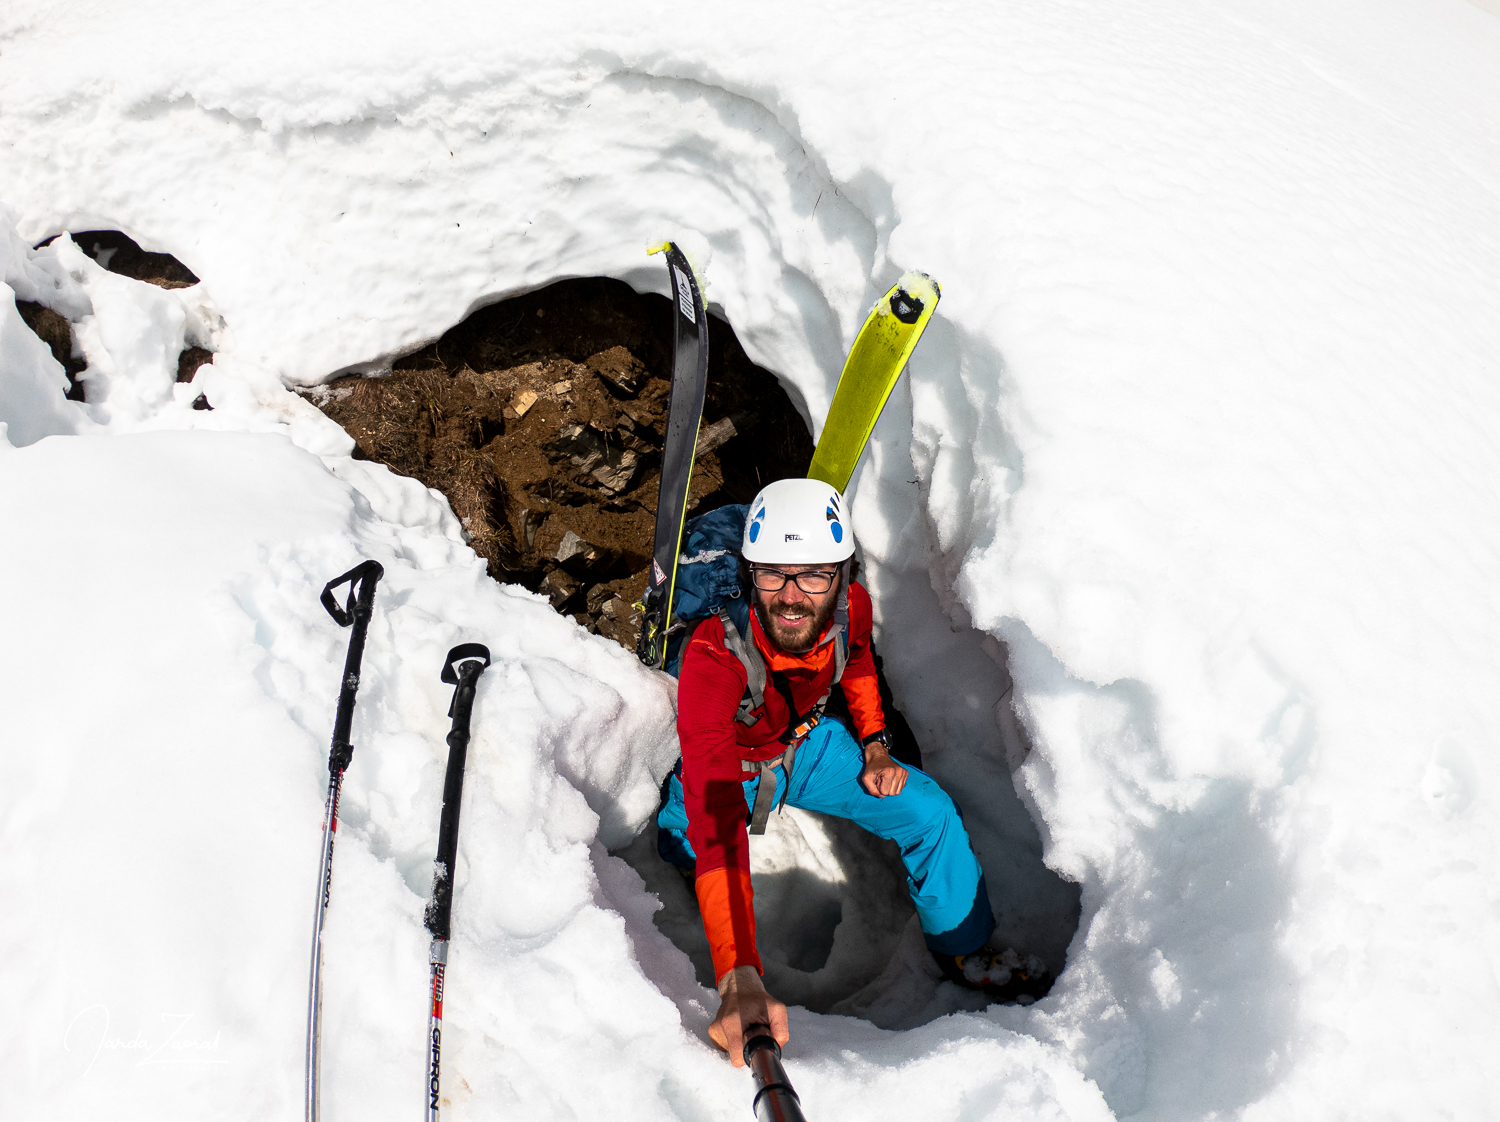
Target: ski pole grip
(360,607)
(758,1037)
(775,1100)
(462,669)
(361,581)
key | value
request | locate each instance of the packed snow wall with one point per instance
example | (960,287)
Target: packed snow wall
(1201,438)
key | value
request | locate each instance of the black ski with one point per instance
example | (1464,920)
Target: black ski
(357,610)
(684,413)
(462,669)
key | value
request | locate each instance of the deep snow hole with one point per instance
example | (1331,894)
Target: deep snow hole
(541,419)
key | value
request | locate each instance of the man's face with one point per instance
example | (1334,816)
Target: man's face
(792,618)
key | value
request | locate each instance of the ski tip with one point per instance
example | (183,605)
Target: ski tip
(920,284)
(911,295)
(662,247)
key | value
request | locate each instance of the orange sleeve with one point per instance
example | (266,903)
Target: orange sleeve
(727,903)
(863,695)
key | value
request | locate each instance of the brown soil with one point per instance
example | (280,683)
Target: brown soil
(541,419)
(57,333)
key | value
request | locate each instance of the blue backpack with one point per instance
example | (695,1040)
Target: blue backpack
(709,583)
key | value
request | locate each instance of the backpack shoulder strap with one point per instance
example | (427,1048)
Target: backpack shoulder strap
(841,637)
(755,669)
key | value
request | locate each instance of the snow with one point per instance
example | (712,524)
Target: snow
(1198,451)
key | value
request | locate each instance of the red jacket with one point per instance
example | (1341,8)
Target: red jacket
(711,684)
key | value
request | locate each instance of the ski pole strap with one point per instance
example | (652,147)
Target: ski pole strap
(361,581)
(458,672)
(765,795)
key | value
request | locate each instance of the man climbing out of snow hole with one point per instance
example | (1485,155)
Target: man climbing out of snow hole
(750,721)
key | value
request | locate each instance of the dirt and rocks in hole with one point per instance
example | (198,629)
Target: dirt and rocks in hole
(542,419)
(119,254)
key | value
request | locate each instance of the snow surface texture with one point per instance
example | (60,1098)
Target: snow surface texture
(1202,433)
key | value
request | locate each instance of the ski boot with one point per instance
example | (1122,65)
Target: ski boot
(1004,975)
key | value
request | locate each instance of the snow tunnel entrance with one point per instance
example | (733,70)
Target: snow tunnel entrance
(541,419)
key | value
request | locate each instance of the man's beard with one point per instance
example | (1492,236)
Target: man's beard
(801,639)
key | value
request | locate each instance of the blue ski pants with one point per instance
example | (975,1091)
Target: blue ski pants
(942,873)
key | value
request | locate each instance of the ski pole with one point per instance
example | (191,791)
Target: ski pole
(357,610)
(462,669)
(775,1100)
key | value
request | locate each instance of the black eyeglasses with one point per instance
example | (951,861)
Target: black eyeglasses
(812,581)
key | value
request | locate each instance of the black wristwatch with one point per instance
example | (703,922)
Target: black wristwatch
(883,738)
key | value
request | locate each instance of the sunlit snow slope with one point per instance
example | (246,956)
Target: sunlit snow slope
(1201,440)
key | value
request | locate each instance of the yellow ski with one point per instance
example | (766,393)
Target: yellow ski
(875,362)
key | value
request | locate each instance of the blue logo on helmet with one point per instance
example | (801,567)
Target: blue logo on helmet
(837,528)
(755,523)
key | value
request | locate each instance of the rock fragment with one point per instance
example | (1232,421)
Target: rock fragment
(617,472)
(583,558)
(619,368)
(610,465)
(578,444)
(642,415)
(619,621)
(531,522)
(558,587)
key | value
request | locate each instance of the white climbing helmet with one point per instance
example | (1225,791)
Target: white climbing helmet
(797,522)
